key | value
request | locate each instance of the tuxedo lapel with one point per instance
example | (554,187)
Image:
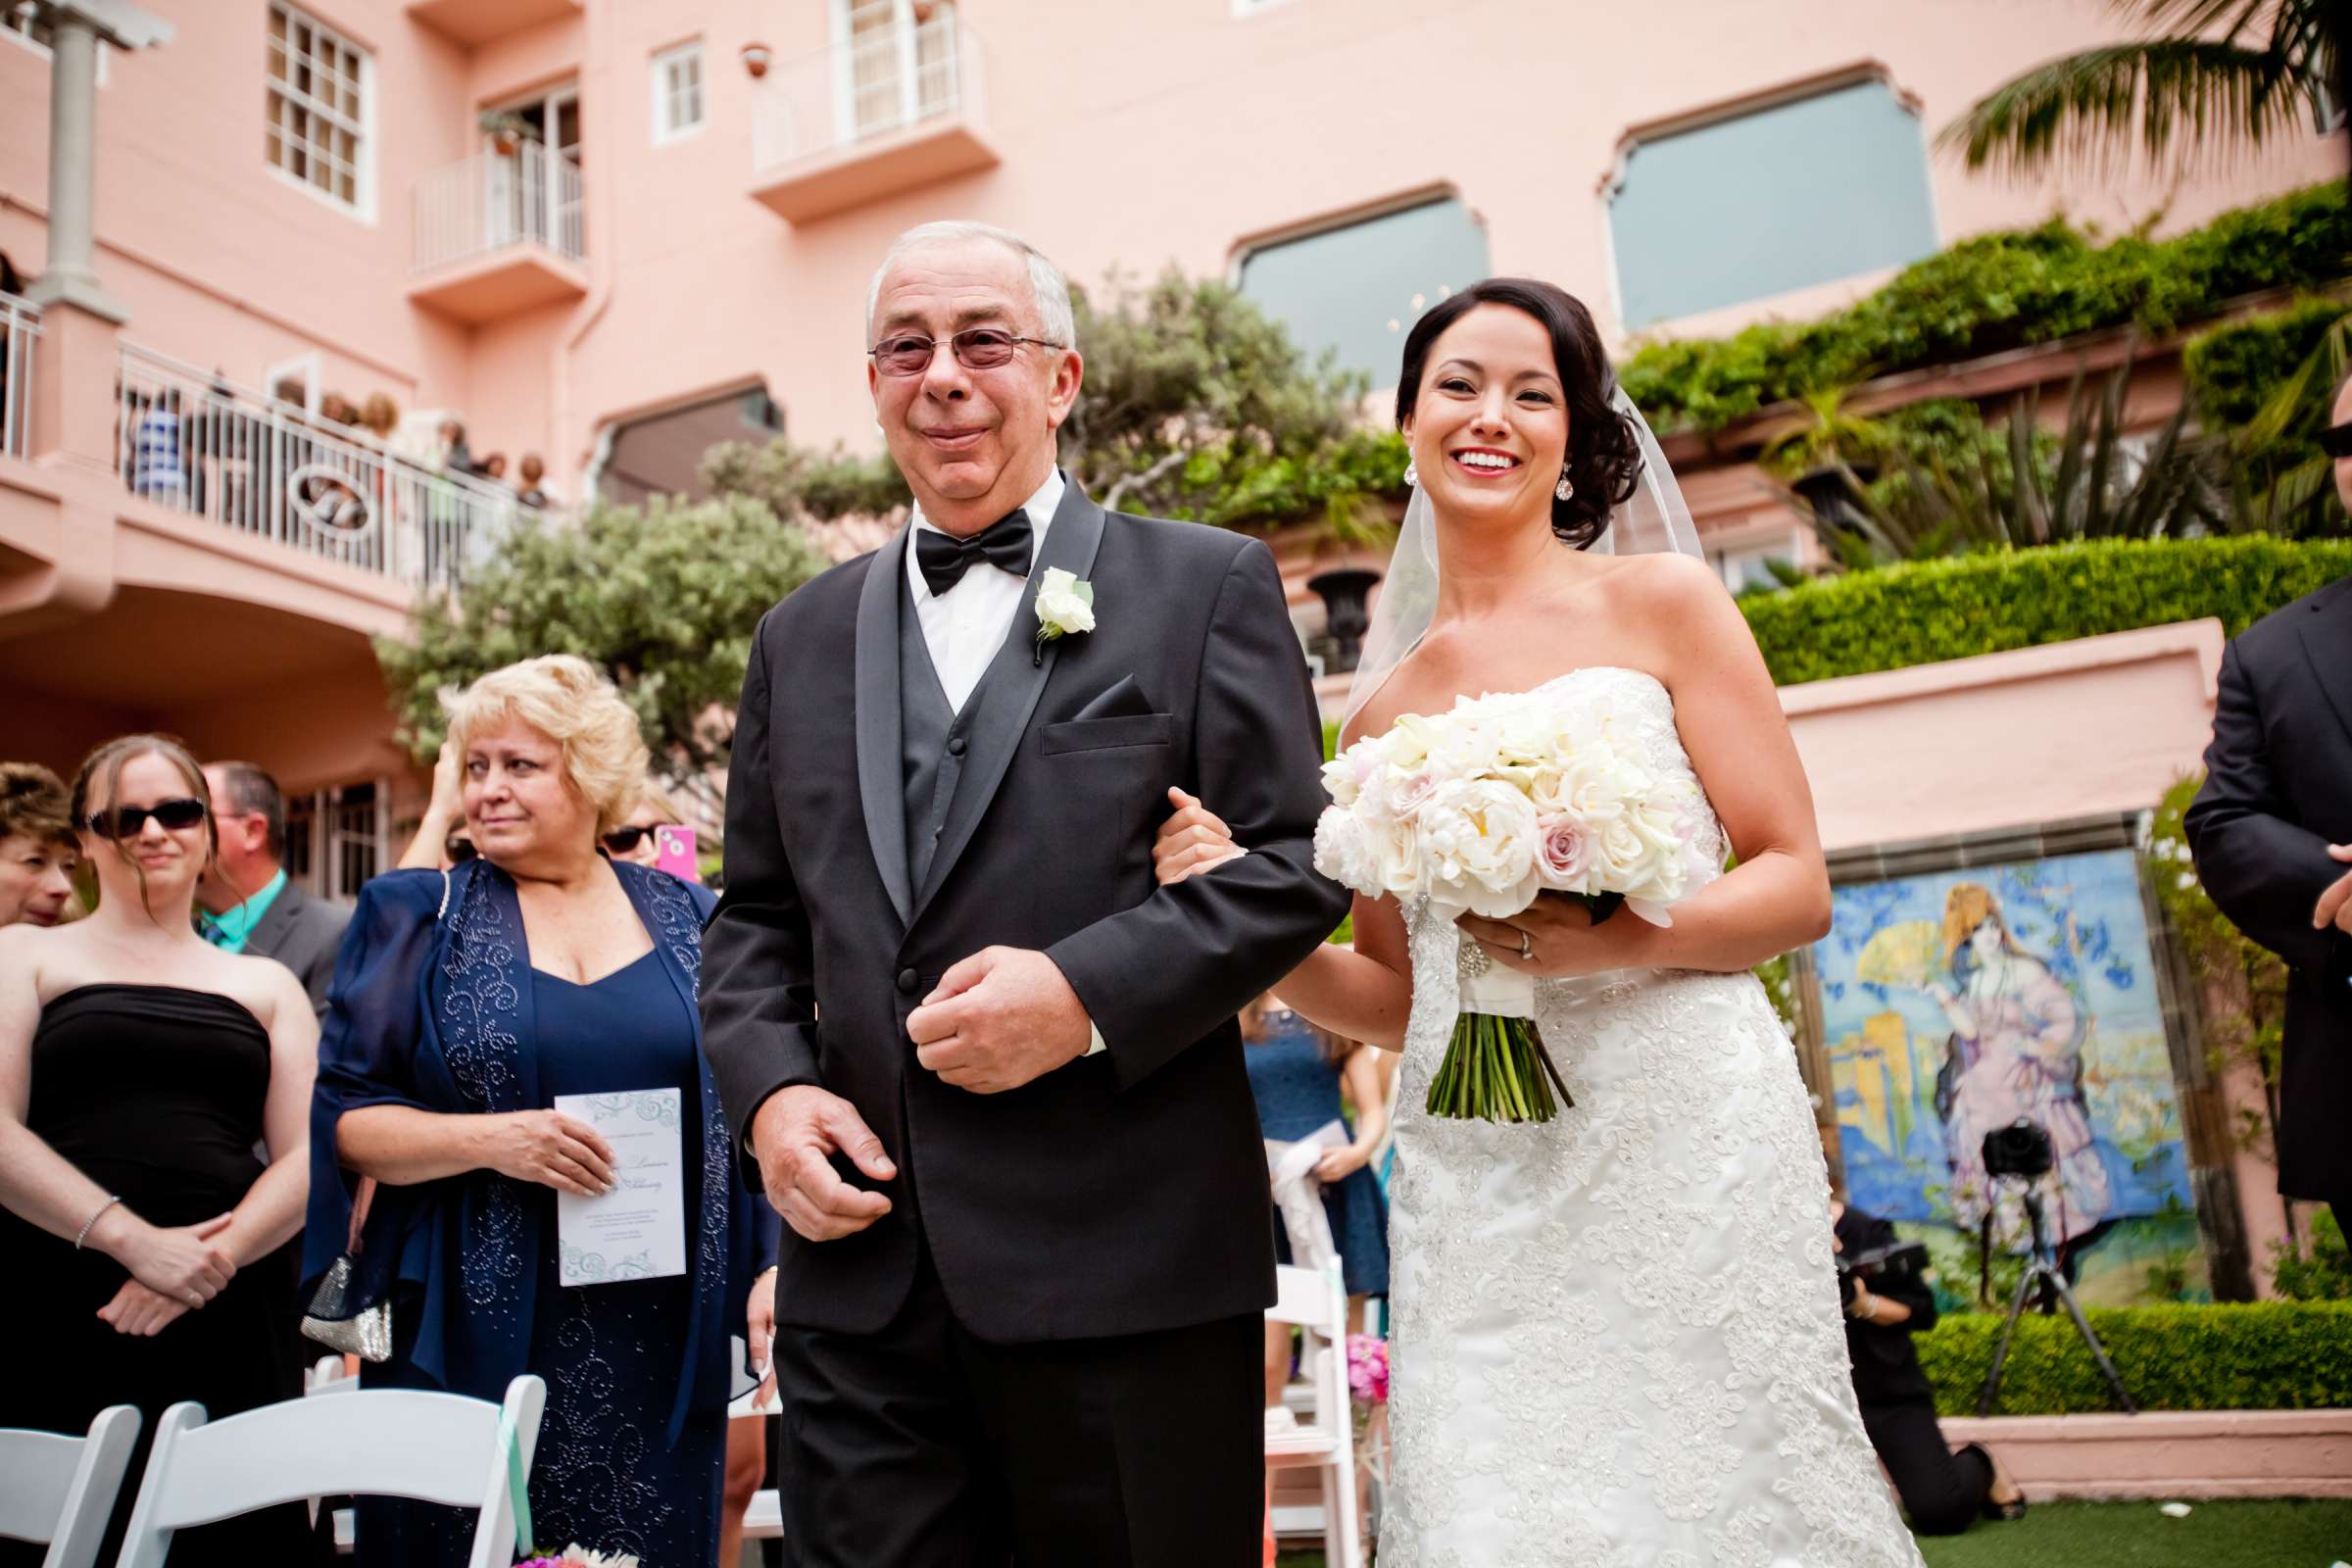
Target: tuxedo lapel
(880,789)
(2327,633)
(1015,680)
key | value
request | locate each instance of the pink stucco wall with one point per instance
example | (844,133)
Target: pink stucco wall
(1128,136)
(2039,735)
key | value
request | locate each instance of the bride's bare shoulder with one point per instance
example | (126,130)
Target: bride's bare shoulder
(1667,578)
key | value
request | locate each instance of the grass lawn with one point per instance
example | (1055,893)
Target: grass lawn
(2132,1534)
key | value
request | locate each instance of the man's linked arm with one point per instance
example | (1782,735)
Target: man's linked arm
(1159,976)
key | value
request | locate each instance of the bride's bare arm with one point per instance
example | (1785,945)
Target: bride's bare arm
(1361,994)
(1778,896)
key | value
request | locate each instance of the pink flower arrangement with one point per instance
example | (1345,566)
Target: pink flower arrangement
(1368,1368)
(581,1558)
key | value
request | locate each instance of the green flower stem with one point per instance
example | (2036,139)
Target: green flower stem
(1495,1069)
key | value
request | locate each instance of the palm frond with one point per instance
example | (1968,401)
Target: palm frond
(2210,98)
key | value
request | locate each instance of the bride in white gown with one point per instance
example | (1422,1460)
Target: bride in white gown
(1616,1335)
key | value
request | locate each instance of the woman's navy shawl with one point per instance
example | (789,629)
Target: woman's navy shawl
(431,1007)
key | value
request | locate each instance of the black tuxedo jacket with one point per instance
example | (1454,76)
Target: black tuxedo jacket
(1123,1193)
(2277,792)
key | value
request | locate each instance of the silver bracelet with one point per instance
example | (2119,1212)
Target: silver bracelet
(94,1219)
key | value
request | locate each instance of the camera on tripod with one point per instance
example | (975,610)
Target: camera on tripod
(2021,1148)
(2022,1151)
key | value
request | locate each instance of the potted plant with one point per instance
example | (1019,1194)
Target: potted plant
(1829,461)
(507,130)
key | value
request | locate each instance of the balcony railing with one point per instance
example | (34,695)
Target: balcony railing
(487,203)
(19,329)
(884,110)
(199,445)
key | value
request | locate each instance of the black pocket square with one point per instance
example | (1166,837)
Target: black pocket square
(1123,700)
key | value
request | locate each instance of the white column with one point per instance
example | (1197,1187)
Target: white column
(69,275)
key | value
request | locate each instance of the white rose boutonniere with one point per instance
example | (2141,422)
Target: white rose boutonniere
(1065,606)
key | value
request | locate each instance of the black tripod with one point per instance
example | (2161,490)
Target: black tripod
(2041,1268)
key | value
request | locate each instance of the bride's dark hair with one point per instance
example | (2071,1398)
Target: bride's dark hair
(1605,456)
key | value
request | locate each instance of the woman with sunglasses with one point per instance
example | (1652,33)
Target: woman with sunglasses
(466,1005)
(633,840)
(141,1067)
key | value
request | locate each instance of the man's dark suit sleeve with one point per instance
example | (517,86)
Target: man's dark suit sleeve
(1159,976)
(2263,870)
(759,985)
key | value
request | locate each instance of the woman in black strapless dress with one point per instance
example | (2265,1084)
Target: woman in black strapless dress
(139,1069)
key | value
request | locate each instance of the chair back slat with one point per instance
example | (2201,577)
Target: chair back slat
(57,1492)
(1304,1295)
(375,1442)
(37,1470)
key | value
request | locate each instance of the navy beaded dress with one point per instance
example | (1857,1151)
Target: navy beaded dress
(631,1446)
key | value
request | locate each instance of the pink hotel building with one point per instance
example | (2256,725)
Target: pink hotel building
(613,231)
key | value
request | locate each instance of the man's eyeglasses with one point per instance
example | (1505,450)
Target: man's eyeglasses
(977,348)
(621,840)
(126,822)
(2337,441)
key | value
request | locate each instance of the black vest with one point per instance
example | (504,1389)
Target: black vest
(933,739)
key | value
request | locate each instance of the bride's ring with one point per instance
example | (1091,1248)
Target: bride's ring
(1527,946)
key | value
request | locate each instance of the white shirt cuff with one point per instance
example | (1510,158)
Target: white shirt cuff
(1094,1040)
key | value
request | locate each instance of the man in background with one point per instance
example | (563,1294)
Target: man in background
(247,904)
(2272,832)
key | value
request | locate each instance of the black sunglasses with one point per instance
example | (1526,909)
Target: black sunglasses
(457,849)
(621,840)
(977,348)
(2337,441)
(126,822)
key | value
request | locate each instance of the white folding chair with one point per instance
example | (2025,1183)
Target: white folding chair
(59,1491)
(330,1374)
(763,1517)
(1316,1301)
(375,1443)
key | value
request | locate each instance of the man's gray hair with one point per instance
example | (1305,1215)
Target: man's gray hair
(1046,282)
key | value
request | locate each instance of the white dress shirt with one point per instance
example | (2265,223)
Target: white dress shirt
(964,626)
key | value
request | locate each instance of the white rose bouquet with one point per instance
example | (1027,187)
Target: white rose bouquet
(1483,809)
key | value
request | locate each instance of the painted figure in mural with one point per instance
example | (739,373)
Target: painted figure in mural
(2016,1052)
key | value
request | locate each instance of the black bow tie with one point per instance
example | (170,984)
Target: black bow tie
(944,558)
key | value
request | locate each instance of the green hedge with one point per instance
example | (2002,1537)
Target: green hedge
(1922,613)
(2266,1355)
(1998,292)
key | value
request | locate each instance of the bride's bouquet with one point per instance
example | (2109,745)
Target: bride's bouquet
(1482,810)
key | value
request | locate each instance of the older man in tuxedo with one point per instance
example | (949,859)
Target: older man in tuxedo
(2272,831)
(988,1069)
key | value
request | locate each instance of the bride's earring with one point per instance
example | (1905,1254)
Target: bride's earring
(1413,476)
(1566,488)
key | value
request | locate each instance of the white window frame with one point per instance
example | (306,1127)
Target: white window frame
(1762,543)
(667,94)
(312,812)
(362,205)
(1746,107)
(1253,8)
(308,368)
